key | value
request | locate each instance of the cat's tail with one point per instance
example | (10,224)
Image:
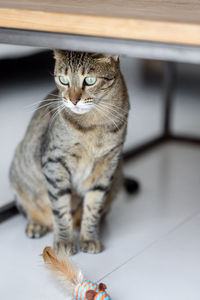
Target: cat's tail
(62,268)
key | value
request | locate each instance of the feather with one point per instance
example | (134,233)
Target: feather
(62,267)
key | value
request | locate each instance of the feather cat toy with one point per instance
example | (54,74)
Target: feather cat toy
(73,277)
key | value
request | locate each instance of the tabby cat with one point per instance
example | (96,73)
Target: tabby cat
(69,163)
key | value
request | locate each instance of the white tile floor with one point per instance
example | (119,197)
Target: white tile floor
(152,240)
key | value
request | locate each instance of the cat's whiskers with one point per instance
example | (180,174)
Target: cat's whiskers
(60,110)
(45,105)
(122,115)
(122,111)
(55,95)
(111,111)
(111,107)
(49,110)
(112,116)
(111,104)
(56,113)
(39,102)
(105,115)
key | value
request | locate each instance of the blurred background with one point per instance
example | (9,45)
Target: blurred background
(151,238)
(26,78)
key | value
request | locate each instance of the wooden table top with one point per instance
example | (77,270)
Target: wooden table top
(172,21)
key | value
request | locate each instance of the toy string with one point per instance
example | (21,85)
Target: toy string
(187,220)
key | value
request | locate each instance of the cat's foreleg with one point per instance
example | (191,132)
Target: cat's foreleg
(93,206)
(92,211)
(58,184)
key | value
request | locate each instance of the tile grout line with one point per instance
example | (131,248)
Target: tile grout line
(185,221)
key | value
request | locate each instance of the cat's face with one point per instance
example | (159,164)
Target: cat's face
(84,79)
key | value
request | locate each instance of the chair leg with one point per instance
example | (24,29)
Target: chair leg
(169,85)
(7,211)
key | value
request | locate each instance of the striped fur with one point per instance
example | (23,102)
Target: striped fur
(69,159)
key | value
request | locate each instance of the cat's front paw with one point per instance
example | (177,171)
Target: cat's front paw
(35,230)
(68,247)
(91,246)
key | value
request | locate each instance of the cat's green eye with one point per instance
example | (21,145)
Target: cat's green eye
(90,80)
(63,79)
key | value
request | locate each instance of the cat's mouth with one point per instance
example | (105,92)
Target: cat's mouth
(79,110)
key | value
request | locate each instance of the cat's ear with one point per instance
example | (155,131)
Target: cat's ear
(112,56)
(115,57)
(58,53)
(103,56)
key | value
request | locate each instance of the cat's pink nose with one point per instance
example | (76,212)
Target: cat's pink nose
(74,101)
(75,94)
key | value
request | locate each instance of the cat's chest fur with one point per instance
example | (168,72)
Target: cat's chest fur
(88,150)
(82,150)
